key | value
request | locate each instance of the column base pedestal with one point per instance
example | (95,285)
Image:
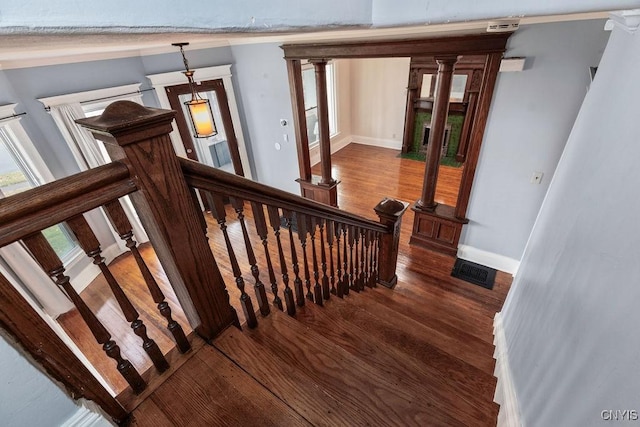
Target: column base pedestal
(438,230)
(323,193)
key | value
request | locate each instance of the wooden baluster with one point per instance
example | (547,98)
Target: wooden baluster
(317,289)
(51,264)
(339,285)
(302,235)
(345,264)
(363,262)
(374,270)
(261,228)
(352,277)
(370,258)
(219,213)
(356,278)
(90,245)
(332,273)
(323,262)
(121,224)
(297,282)
(261,294)
(274,220)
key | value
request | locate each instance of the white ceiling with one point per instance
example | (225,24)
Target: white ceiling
(18,51)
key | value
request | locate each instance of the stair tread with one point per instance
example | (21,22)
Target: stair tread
(211,390)
(466,401)
(292,385)
(374,397)
(455,342)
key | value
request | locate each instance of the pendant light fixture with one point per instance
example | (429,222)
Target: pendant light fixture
(199,109)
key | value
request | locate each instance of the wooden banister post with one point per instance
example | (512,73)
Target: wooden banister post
(139,136)
(390,212)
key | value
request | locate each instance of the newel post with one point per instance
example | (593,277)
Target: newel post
(390,212)
(139,136)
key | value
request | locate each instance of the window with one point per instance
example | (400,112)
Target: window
(311,102)
(21,169)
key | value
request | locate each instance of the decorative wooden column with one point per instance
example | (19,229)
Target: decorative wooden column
(390,212)
(322,189)
(434,225)
(438,124)
(294,70)
(410,112)
(469,117)
(140,137)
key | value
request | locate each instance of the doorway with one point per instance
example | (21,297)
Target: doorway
(221,150)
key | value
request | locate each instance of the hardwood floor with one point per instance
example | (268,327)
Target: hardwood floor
(420,354)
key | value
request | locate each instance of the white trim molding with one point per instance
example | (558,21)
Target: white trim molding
(505,395)
(377,142)
(490,259)
(113,93)
(337,144)
(85,417)
(160,81)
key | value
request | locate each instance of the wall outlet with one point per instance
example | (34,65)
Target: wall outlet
(536,178)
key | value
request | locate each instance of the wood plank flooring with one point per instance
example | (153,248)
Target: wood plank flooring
(420,354)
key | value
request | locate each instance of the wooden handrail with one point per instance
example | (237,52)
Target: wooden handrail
(49,204)
(206,178)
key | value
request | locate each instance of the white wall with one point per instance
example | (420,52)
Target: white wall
(571,317)
(27,396)
(378,99)
(530,118)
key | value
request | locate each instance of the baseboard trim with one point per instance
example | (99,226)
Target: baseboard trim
(377,142)
(505,395)
(490,259)
(336,145)
(84,417)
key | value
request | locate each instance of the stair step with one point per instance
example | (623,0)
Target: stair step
(211,390)
(294,386)
(432,331)
(427,309)
(430,386)
(416,340)
(368,395)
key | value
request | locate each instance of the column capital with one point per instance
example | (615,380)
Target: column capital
(446,59)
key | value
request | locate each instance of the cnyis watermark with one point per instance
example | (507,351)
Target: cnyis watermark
(619,415)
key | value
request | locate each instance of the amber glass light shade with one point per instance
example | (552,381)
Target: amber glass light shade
(201,118)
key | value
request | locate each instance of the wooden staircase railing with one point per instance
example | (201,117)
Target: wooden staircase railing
(311,251)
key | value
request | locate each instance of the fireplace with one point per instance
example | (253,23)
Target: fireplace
(425,139)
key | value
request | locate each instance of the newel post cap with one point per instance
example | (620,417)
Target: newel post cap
(128,122)
(390,208)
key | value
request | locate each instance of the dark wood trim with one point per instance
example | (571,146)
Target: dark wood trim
(477,132)
(446,65)
(462,45)
(320,67)
(217,86)
(174,225)
(294,70)
(23,323)
(413,93)
(200,176)
(52,203)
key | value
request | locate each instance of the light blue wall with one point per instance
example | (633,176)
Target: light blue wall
(530,118)
(28,84)
(240,15)
(27,396)
(571,318)
(263,86)
(389,13)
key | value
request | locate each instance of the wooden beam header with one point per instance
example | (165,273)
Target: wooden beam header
(461,45)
